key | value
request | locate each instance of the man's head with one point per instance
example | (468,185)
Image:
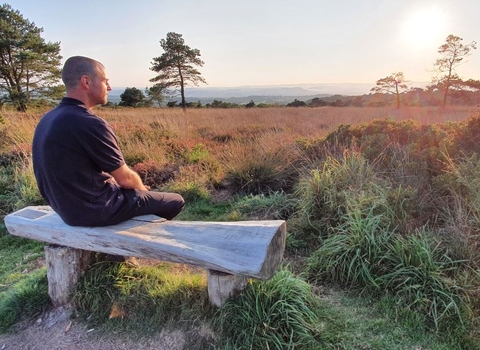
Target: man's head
(86,80)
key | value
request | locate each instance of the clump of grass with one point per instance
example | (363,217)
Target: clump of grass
(282,313)
(419,272)
(353,253)
(275,205)
(457,196)
(26,298)
(325,194)
(190,190)
(18,187)
(415,268)
(258,168)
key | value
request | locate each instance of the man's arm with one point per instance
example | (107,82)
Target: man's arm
(127,178)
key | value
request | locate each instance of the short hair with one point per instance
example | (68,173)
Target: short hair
(77,66)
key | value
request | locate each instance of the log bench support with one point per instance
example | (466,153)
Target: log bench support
(231,252)
(65,266)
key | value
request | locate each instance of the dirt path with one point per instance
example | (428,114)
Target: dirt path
(57,331)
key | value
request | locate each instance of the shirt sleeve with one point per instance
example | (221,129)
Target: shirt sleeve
(102,146)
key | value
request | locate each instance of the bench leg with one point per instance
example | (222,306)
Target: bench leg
(222,286)
(64,267)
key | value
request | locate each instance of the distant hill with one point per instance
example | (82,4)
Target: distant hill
(263,93)
(280,90)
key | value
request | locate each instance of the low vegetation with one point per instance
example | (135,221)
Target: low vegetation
(382,210)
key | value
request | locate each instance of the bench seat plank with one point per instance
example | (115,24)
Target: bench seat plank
(245,248)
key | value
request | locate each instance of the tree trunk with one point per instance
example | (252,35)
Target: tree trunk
(182,90)
(64,268)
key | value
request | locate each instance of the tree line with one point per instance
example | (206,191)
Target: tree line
(30,68)
(30,72)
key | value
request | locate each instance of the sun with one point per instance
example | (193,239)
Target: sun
(425,28)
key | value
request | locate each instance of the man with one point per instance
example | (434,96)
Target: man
(79,167)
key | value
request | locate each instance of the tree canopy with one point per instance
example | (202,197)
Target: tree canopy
(133,97)
(29,67)
(452,52)
(176,65)
(393,84)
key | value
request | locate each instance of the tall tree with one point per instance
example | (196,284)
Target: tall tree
(393,84)
(176,65)
(453,52)
(29,67)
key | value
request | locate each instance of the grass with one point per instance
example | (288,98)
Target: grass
(374,324)
(377,200)
(27,297)
(143,299)
(282,313)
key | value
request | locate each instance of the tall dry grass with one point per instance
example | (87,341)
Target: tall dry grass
(139,129)
(297,122)
(204,144)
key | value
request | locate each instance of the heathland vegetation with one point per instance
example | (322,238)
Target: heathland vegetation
(382,208)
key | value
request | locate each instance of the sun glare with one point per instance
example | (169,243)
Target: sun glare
(425,28)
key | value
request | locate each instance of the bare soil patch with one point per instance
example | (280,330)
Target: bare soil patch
(56,330)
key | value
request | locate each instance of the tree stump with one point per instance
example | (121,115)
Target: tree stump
(64,268)
(222,286)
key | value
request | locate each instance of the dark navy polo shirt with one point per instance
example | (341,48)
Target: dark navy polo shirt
(73,152)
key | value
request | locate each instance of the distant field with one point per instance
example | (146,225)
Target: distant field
(298,122)
(137,129)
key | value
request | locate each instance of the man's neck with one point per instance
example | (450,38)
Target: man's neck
(79,95)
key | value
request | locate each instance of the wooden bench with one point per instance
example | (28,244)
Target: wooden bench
(232,252)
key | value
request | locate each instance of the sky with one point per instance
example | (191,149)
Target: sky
(263,42)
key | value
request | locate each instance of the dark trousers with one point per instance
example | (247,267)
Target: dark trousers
(164,204)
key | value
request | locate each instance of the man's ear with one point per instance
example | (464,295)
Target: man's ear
(85,81)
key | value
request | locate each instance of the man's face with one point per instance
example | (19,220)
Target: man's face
(100,87)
